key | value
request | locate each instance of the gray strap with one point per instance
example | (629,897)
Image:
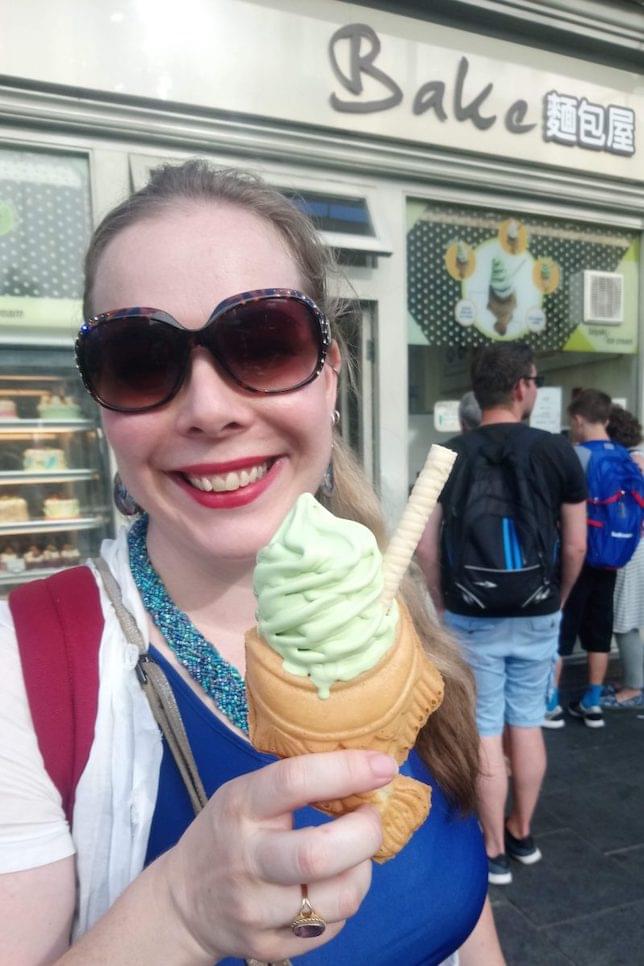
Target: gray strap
(158,692)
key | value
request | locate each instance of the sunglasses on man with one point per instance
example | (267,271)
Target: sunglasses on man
(539,381)
(268,341)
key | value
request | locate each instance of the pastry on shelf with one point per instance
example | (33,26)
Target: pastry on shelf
(61,508)
(54,406)
(69,555)
(8,409)
(13,509)
(41,459)
(10,561)
(51,556)
(34,558)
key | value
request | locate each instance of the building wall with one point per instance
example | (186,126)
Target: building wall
(253,83)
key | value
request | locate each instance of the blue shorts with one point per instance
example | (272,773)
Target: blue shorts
(511,658)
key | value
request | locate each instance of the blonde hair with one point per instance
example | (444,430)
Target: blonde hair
(196,182)
(448,742)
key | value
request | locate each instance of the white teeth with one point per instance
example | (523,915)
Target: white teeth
(229,481)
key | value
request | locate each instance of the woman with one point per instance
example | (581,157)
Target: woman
(628,617)
(216,462)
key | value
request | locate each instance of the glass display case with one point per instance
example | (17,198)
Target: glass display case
(54,469)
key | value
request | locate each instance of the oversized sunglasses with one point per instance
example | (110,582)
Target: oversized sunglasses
(269,341)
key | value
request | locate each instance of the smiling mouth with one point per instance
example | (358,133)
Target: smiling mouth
(231,481)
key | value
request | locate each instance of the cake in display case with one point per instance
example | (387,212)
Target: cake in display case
(54,492)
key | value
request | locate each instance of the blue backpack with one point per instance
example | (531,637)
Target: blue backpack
(615,504)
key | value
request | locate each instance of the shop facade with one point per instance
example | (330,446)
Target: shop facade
(476,188)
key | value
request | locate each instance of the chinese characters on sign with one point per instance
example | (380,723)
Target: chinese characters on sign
(576,121)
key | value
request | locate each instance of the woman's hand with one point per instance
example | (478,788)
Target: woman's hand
(235,876)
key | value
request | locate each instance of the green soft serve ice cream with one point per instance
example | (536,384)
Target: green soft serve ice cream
(500,280)
(318,585)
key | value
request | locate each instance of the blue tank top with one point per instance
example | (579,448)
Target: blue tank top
(421,905)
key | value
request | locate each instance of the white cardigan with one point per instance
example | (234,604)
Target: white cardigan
(117,792)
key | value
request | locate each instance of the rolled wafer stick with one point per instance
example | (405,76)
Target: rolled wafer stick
(422,500)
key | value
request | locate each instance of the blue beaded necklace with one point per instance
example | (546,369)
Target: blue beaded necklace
(219,679)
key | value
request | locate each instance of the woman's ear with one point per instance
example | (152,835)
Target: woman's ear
(333,356)
(332,371)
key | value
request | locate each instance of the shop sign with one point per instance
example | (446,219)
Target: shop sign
(577,122)
(565,118)
(316,62)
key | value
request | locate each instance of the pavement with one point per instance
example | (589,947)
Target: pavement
(584,902)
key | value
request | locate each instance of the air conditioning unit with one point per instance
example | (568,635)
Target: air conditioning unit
(603,298)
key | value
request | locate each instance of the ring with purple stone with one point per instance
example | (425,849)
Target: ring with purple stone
(307,924)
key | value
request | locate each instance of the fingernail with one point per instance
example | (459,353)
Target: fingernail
(382,766)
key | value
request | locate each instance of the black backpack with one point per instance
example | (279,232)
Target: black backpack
(500,540)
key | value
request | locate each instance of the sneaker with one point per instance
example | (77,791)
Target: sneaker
(593,717)
(498,870)
(554,718)
(523,850)
(611,701)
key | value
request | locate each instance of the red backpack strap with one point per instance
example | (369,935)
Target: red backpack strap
(59,623)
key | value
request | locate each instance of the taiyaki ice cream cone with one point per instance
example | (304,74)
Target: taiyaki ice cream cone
(329,666)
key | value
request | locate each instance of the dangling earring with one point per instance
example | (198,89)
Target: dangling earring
(327,485)
(328,480)
(123,500)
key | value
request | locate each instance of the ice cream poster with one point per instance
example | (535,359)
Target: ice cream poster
(476,275)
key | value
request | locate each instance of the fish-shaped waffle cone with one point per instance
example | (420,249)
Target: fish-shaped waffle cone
(382,709)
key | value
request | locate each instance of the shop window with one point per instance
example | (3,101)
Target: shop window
(350,224)
(345,223)
(348,215)
(45,225)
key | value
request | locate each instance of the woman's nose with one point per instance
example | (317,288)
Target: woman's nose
(209,401)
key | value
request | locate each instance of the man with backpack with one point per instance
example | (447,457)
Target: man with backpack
(615,515)
(500,554)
